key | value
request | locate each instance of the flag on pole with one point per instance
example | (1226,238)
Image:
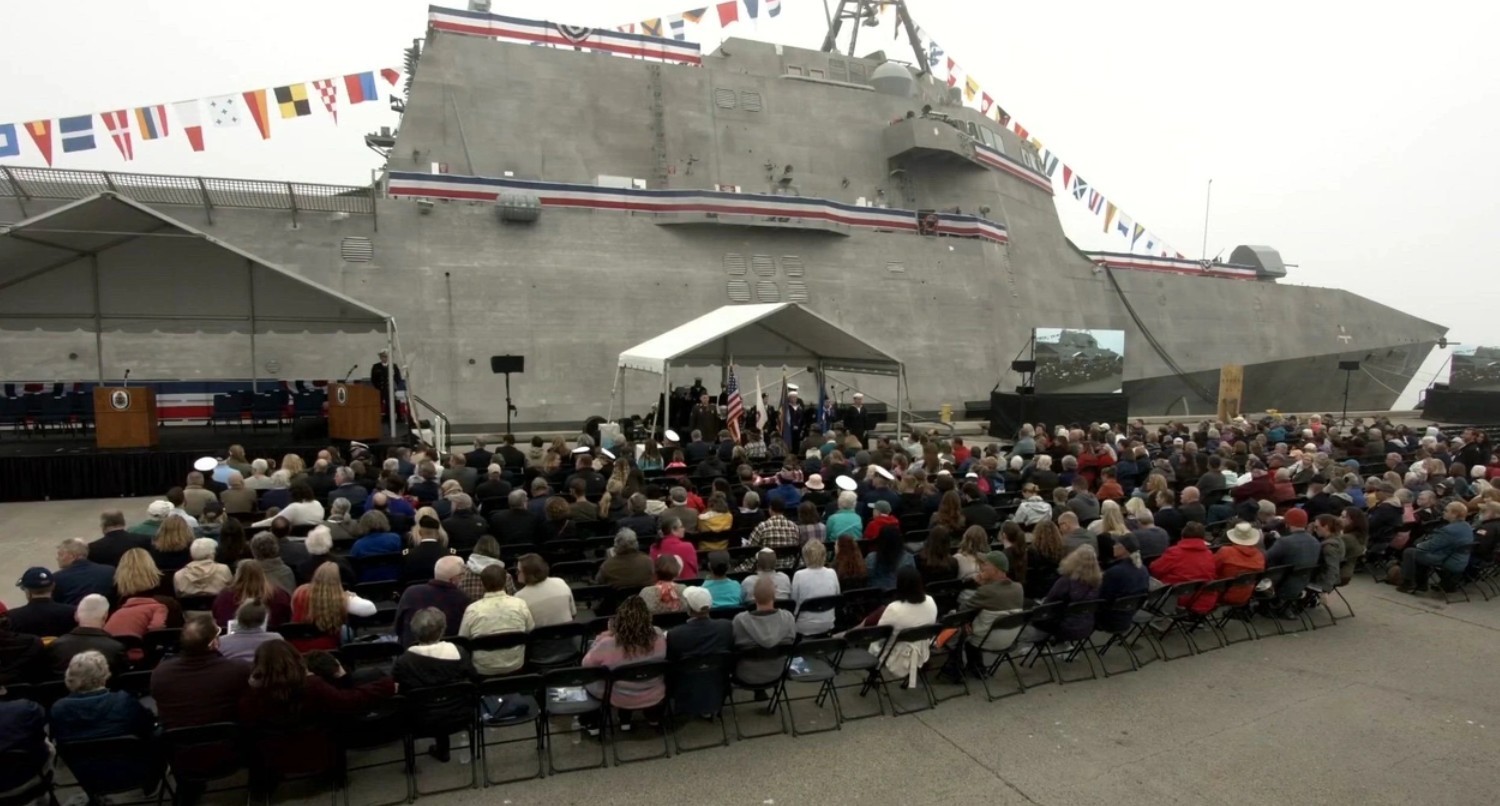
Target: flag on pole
(773,8)
(292,100)
(390,74)
(786,416)
(118,125)
(736,406)
(1124,226)
(695,16)
(729,11)
(760,407)
(360,87)
(329,93)
(1109,216)
(76,133)
(255,100)
(151,121)
(971,88)
(985,102)
(41,134)
(10,145)
(752,8)
(192,124)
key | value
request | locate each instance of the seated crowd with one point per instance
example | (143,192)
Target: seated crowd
(240,597)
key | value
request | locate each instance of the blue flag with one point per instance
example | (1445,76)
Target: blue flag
(752,7)
(9,145)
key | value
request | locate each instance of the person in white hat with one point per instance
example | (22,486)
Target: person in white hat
(1243,555)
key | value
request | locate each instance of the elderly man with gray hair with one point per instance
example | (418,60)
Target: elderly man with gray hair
(77,576)
(627,568)
(202,576)
(463,524)
(680,510)
(91,614)
(319,545)
(516,524)
(348,487)
(91,710)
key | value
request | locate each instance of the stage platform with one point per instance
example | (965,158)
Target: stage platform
(57,465)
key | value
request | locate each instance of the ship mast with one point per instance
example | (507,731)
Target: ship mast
(866,13)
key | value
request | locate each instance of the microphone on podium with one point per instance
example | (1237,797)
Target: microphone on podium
(350,373)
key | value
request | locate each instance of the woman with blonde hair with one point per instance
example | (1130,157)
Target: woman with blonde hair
(137,583)
(1111,521)
(974,544)
(295,468)
(1155,485)
(1042,559)
(324,603)
(169,549)
(1079,578)
(429,532)
(1133,508)
(612,504)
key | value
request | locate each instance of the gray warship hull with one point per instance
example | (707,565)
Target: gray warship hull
(571,284)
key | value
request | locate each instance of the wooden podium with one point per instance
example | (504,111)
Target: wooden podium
(354,412)
(125,417)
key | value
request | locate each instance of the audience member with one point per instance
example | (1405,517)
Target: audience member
(89,635)
(699,636)
(912,608)
(1079,578)
(91,710)
(439,593)
(246,632)
(549,599)
(1188,560)
(627,567)
(666,595)
(496,613)
(674,543)
(890,555)
(204,576)
(764,627)
(1243,555)
(251,583)
(430,661)
(41,616)
(77,576)
(765,568)
(198,686)
(815,580)
(1445,549)
(631,638)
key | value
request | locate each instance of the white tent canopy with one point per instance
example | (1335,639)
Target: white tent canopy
(107,263)
(784,333)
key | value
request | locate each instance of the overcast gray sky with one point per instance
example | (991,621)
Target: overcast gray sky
(1358,139)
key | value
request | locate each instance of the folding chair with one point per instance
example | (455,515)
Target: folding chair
(495,642)
(779,654)
(1049,650)
(1193,620)
(819,604)
(38,786)
(384,725)
(641,673)
(557,680)
(354,655)
(1125,607)
(857,658)
(958,622)
(1244,613)
(555,647)
(916,636)
(200,755)
(115,766)
(815,661)
(429,700)
(1007,655)
(1177,616)
(1267,600)
(711,670)
(522,695)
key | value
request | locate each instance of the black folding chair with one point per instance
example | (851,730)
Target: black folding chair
(41,784)
(820,604)
(1124,608)
(1005,655)
(519,701)
(200,755)
(117,765)
(383,725)
(358,654)
(643,672)
(1053,648)
(555,647)
(1243,613)
(710,670)
(496,642)
(426,704)
(1177,618)
(814,661)
(780,654)
(917,637)
(558,681)
(858,659)
(960,621)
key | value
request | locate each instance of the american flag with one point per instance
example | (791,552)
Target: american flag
(736,406)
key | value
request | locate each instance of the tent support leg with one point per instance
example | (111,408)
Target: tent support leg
(900,399)
(254,373)
(98,317)
(390,385)
(666,398)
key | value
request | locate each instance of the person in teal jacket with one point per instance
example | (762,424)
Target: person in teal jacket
(1447,549)
(845,521)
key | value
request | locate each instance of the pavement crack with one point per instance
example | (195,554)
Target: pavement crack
(977,760)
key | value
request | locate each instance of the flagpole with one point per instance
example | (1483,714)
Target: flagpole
(1207,203)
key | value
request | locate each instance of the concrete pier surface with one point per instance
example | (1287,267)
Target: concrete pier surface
(1397,705)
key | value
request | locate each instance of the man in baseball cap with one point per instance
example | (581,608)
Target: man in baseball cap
(996,596)
(40,616)
(701,635)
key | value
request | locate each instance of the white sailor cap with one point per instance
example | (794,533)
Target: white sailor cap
(607,454)
(205,463)
(886,474)
(791,387)
(580,449)
(672,436)
(846,483)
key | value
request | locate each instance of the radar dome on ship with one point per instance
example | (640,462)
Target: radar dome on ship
(895,79)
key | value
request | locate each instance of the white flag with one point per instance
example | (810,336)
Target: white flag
(225,110)
(760,405)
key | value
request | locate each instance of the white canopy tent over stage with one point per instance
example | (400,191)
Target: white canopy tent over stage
(775,334)
(107,263)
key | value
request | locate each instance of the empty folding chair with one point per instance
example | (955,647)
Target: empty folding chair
(991,657)
(116,766)
(856,658)
(568,696)
(511,702)
(759,669)
(438,712)
(815,662)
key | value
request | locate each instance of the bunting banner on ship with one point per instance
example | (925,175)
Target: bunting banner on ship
(132,128)
(945,68)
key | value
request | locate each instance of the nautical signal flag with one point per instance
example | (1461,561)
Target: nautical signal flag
(1109,215)
(255,101)
(225,110)
(192,125)
(678,26)
(329,93)
(971,88)
(985,102)
(752,8)
(729,11)
(696,15)
(151,121)
(41,134)
(360,87)
(77,133)
(117,123)
(391,75)
(10,143)
(1125,225)
(773,8)
(651,27)
(292,99)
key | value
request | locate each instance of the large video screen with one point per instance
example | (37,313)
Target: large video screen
(1475,368)
(1079,360)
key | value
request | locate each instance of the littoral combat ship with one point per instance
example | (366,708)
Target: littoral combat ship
(565,193)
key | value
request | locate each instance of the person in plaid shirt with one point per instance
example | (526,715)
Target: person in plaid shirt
(776,530)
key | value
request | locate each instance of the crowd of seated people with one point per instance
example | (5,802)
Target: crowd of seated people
(664,566)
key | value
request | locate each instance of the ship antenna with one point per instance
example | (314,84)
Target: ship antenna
(866,13)
(1207,202)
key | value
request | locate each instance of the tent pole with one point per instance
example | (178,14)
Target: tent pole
(250,276)
(666,397)
(900,382)
(390,382)
(98,318)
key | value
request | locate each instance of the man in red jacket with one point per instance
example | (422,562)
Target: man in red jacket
(1188,560)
